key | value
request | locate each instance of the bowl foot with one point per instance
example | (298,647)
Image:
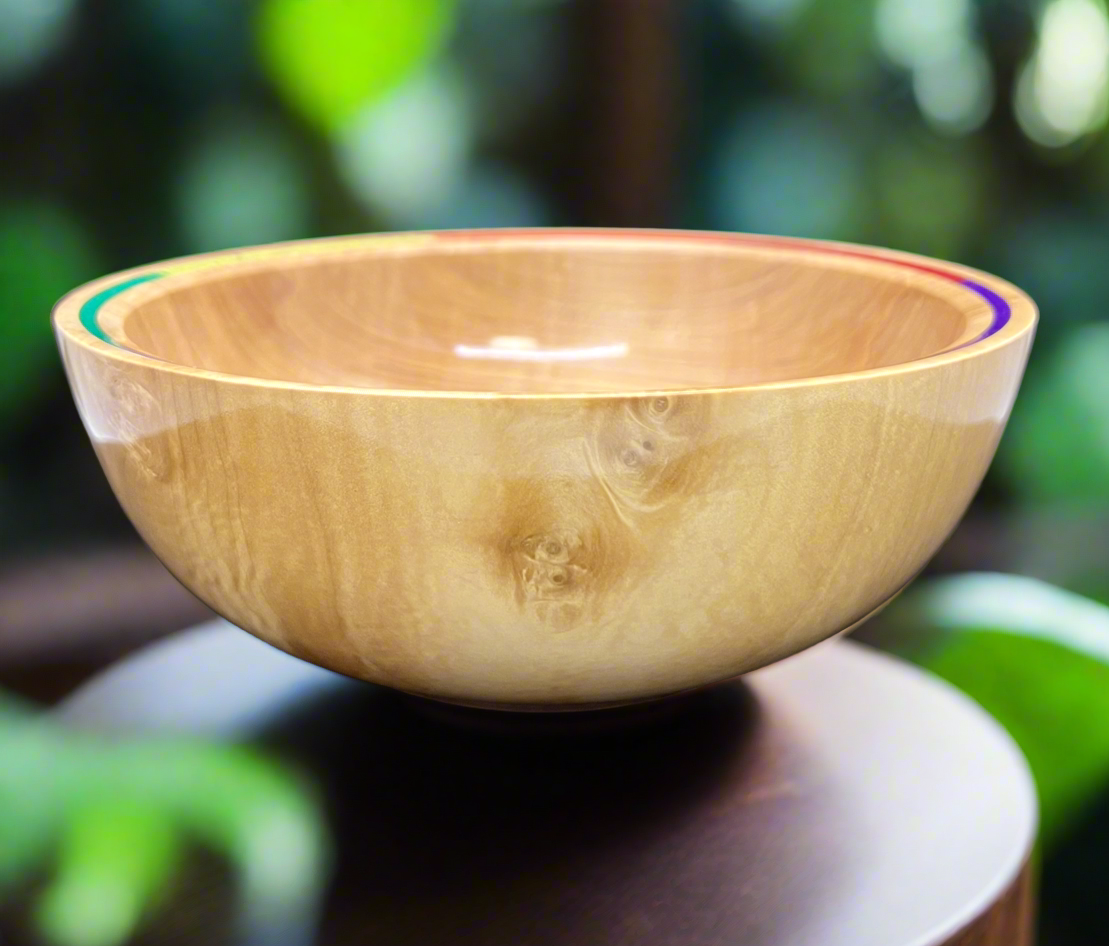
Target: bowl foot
(563,718)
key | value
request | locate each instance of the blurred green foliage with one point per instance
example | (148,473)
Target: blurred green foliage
(44,253)
(241,182)
(1037,658)
(963,129)
(789,170)
(830,48)
(1057,446)
(931,194)
(329,58)
(115,817)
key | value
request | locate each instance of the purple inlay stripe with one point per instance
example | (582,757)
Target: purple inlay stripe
(89,314)
(1001,310)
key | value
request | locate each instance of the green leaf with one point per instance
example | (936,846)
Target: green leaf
(116,859)
(26,833)
(32,785)
(251,810)
(1033,656)
(330,58)
(119,809)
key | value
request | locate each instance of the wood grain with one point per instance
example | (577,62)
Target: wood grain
(295,439)
(690,318)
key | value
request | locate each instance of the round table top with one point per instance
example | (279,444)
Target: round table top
(837,798)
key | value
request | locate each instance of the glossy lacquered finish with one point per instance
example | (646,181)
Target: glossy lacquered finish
(552,468)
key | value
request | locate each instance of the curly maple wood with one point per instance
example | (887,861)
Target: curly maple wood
(545,468)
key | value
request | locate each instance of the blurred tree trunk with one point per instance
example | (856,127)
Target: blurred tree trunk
(632,54)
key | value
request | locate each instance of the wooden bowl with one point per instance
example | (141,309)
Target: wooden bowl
(545,469)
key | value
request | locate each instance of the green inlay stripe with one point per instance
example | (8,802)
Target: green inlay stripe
(91,309)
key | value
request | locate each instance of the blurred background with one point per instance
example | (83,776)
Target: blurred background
(970,130)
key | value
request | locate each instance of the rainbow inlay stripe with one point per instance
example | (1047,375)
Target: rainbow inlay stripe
(90,310)
(1001,310)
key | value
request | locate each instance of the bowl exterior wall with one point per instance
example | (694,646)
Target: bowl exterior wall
(556,551)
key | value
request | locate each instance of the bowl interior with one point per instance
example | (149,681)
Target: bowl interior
(553,315)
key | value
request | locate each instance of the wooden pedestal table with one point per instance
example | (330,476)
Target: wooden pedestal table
(839,798)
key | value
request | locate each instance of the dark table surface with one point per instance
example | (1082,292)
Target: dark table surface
(839,798)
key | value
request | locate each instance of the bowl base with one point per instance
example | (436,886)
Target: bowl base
(641,708)
(559,717)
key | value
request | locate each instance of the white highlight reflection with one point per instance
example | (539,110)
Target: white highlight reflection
(508,353)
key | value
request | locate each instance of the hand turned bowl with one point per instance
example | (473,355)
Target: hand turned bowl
(545,469)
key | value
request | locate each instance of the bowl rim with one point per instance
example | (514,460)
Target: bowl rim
(1014,314)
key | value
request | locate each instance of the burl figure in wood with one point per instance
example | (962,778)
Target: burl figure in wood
(546,469)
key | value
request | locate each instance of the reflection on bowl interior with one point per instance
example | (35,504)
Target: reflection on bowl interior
(550,316)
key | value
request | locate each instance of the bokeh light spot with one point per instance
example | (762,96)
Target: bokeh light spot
(1062,92)
(242,183)
(489,195)
(954,91)
(403,156)
(766,14)
(911,32)
(329,58)
(30,30)
(786,170)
